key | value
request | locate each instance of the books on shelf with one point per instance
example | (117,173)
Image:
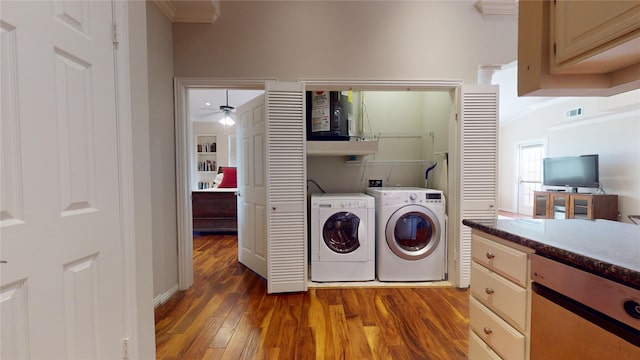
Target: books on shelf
(206,165)
(207,148)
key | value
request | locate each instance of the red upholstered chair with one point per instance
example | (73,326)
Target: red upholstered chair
(229,178)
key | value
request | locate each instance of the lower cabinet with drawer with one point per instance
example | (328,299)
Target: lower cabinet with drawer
(500,300)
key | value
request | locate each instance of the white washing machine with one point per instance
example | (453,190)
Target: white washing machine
(411,242)
(342,237)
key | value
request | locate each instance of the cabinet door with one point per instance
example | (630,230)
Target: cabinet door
(581,207)
(537,73)
(540,205)
(559,206)
(583,30)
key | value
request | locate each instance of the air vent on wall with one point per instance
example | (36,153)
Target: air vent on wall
(573,113)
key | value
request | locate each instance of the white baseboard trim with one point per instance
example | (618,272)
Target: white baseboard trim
(162,298)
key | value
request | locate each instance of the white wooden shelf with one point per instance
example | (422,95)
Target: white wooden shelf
(332,148)
(388,162)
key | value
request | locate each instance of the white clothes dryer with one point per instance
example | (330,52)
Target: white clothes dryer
(411,243)
(342,237)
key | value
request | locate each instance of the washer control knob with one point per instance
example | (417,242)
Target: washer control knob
(632,308)
(343,204)
(413,196)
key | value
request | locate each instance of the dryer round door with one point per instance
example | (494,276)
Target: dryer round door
(413,232)
(340,232)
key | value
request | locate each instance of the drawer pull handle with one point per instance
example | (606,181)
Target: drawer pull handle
(490,255)
(487,330)
(489,291)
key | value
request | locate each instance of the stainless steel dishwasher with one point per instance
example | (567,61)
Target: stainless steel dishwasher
(579,315)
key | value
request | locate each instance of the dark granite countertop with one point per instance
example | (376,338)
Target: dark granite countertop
(607,248)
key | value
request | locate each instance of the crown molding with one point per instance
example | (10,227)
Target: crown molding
(187,11)
(497,7)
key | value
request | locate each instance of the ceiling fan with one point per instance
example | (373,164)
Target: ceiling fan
(227,119)
(227,110)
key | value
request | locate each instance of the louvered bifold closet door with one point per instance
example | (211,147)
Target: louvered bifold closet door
(479,165)
(286,164)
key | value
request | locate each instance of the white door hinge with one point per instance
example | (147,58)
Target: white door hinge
(114,33)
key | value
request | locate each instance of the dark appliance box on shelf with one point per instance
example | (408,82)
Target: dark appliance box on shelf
(327,116)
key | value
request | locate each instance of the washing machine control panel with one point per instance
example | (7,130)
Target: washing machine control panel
(343,204)
(428,198)
(434,198)
(355,204)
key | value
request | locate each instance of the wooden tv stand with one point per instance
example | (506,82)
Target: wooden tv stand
(568,205)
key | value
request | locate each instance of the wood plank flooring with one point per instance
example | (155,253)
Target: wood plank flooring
(227,314)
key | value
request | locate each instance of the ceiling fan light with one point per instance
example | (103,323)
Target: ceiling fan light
(227,120)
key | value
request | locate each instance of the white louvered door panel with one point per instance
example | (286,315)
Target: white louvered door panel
(286,164)
(479,165)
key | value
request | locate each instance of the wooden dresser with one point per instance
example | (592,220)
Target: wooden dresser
(214,211)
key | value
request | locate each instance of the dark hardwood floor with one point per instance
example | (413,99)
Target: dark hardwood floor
(227,314)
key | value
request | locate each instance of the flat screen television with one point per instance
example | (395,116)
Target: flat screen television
(571,171)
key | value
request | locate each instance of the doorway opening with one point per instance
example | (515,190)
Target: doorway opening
(214,157)
(193,115)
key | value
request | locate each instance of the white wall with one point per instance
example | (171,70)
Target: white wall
(162,152)
(436,109)
(610,127)
(145,327)
(292,40)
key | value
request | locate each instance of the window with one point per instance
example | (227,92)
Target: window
(530,157)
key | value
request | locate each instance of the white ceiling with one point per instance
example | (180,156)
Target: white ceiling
(511,106)
(198,99)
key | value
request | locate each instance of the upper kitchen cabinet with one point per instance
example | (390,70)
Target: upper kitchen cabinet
(574,48)
(595,36)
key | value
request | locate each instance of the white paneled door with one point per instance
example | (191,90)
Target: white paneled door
(61,280)
(252,186)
